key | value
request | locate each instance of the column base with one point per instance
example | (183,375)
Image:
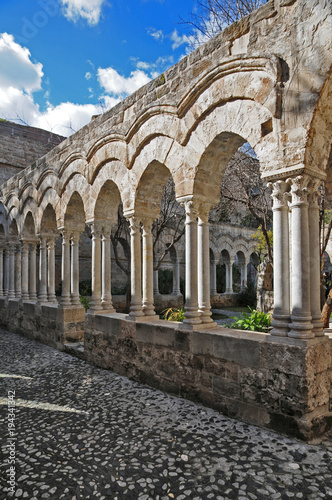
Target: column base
(317,326)
(199,326)
(301,328)
(142,318)
(280,325)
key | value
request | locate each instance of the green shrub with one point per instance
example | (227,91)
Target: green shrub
(257,321)
(173,314)
(85,287)
(85,301)
(248,296)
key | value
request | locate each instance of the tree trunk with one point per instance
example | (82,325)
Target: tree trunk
(327,310)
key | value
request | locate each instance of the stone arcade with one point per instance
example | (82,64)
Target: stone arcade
(265,80)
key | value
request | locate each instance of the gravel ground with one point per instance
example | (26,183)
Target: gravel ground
(80,432)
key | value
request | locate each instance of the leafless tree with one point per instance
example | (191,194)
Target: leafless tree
(209,17)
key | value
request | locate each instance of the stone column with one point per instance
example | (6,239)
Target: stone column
(213,278)
(65,269)
(135,269)
(32,272)
(192,315)
(203,266)
(229,276)
(106,295)
(176,278)
(75,268)
(314,249)
(11,266)
(281,258)
(96,268)
(51,271)
(18,273)
(25,270)
(6,272)
(300,326)
(156,282)
(148,307)
(42,293)
(243,270)
(1,272)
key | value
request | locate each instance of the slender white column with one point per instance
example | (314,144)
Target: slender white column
(192,315)
(11,265)
(6,272)
(75,268)
(300,326)
(229,276)
(281,258)
(18,272)
(203,268)
(25,270)
(1,272)
(96,268)
(106,280)
(51,271)
(314,258)
(176,278)
(156,282)
(135,268)
(65,269)
(42,293)
(148,307)
(213,278)
(32,270)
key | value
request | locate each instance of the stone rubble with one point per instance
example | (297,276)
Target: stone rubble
(90,434)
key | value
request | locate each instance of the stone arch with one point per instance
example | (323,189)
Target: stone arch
(50,197)
(74,216)
(48,223)
(215,140)
(150,189)
(113,174)
(28,226)
(107,202)
(79,185)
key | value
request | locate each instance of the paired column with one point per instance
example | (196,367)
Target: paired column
(203,267)
(213,278)
(243,272)
(229,276)
(51,271)
(1,272)
(11,273)
(42,292)
(25,269)
(74,268)
(148,307)
(32,272)
(65,269)
(96,268)
(281,258)
(18,272)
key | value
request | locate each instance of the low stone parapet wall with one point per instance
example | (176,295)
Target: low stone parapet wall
(50,324)
(279,384)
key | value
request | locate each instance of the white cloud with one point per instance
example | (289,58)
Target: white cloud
(16,68)
(88,75)
(178,40)
(118,85)
(156,34)
(89,10)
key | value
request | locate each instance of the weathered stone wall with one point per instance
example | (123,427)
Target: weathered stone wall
(21,146)
(50,325)
(249,376)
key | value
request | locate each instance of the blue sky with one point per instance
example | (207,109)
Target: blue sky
(61,61)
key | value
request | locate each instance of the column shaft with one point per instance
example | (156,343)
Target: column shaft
(176,278)
(1,272)
(25,270)
(96,268)
(18,272)
(156,282)
(135,269)
(11,265)
(75,269)
(65,269)
(51,272)
(213,278)
(192,315)
(32,270)
(42,293)
(6,272)
(203,268)
(300,326)
(106,279)
(148,307)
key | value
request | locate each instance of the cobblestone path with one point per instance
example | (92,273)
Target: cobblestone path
(86,433)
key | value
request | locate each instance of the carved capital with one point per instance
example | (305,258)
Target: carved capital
(134,223)
(191,210)
(147,226)
(280,193)
(299,189)
(313,193)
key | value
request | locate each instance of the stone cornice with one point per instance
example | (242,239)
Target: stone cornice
(293,171)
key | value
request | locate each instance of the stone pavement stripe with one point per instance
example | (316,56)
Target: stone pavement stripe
(133,442)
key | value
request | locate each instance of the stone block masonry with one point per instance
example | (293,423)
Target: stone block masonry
(246,375)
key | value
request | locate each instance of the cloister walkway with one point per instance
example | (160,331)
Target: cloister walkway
(87,433)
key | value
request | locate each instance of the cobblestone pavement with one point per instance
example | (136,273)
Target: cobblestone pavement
(86,433)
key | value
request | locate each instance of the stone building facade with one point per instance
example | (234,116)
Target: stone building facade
(265,80)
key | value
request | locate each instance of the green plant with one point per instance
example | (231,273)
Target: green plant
(85,287)
(257,321)
(173,314)
(85,301)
